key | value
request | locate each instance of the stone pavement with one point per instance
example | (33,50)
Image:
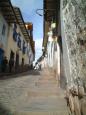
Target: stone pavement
(32,95)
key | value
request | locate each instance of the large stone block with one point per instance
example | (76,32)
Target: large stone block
(74,29)
(83,106)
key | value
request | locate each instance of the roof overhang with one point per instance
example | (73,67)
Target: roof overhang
(8,11)
(21,23)
(50,7)
(13,15)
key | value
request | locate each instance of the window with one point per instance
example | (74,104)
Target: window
(24,48)
(15,26)
(19,40)
(3,29)
(15,32)
(14,35)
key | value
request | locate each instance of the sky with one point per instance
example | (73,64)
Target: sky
(28,9)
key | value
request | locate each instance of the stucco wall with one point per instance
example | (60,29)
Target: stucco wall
(3,38)
(73,27)
(12,45)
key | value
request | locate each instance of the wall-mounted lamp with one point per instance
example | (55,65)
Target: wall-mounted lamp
(42,12)
(38,11)
(53,25)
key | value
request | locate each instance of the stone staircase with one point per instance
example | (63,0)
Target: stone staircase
(43,113)
(47,98)
(33,95)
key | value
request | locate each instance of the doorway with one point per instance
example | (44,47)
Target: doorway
(12,55)
(17,62)
(1,55)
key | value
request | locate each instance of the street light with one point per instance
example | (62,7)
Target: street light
(38,12)
(51,14)
(53,24)
(44,11)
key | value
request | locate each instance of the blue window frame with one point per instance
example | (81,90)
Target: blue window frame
(24,48)
(3,29)
(14,35)
(19,42)
(15,32)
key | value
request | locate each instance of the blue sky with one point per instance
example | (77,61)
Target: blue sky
(28,9)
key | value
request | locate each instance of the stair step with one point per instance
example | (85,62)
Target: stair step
(42,113)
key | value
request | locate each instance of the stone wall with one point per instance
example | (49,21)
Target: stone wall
(73,27)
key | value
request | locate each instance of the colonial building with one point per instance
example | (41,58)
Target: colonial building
(14,36)
(70,18)
(29,27)
(51,39)
(3,36)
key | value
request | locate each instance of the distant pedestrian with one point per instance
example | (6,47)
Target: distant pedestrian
(40,67)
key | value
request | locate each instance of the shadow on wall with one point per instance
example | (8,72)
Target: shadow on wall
(4,110)
(63,82)
(62,78)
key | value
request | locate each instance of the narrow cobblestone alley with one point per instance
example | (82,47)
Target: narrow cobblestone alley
(32,95)
(42,57)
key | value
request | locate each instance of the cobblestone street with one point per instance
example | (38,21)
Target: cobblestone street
(32,94)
